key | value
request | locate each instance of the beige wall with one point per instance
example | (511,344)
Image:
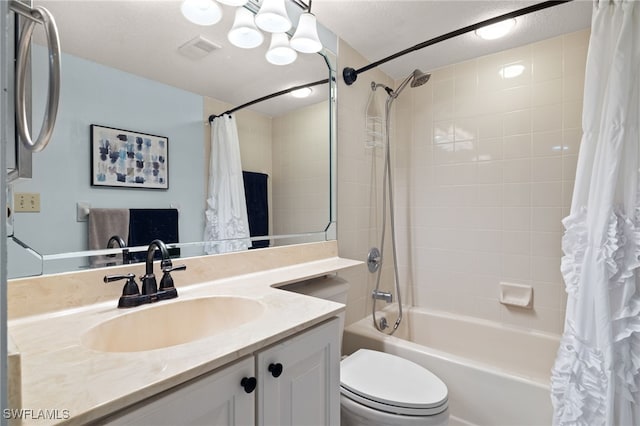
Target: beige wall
(301,170)
(483,175)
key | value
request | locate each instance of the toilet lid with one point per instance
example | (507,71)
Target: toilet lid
(378,379)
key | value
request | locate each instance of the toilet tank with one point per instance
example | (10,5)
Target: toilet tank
(329,287)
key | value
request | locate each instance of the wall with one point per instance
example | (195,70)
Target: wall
(95,94)
(359,182)
(301,170)
(484,174)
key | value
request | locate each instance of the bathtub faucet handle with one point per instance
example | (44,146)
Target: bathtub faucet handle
(382,295)
(374,260)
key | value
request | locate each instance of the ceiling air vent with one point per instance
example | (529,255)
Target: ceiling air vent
(198,48)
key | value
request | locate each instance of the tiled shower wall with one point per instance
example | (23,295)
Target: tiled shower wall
(484,174)
(301,170)
(359,174)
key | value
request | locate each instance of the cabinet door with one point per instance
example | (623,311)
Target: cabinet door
(215,399)
(307,390)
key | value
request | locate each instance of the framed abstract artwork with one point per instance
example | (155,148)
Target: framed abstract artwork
(124,158)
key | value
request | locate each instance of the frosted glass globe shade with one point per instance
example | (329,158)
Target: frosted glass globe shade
(272,17)
(234,2)
(306,39)
(201,12)
(244,32)
(280,53)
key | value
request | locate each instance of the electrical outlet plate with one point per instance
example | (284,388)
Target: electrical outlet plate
(26,202)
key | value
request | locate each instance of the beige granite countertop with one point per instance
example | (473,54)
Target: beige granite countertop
(59,373)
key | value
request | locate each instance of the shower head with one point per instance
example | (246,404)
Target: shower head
(419,78)
(416,78)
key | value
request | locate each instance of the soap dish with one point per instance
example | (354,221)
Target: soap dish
(520,295)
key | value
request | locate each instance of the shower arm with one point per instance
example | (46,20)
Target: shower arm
(394,94)
(350,75)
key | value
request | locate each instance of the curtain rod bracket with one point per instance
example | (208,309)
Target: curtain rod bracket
(349,75)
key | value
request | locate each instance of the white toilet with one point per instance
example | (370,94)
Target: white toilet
(377,388)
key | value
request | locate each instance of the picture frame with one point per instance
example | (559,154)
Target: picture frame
(128,159)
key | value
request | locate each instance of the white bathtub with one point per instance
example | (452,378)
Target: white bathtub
(496,375)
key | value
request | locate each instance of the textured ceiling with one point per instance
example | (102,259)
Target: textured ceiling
(143,36)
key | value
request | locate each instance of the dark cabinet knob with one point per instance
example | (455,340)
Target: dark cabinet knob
(275,369)
(249,384)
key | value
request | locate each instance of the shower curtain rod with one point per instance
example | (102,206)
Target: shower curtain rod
(350,75)
(273,95)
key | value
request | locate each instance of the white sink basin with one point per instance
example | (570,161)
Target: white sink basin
(164,325)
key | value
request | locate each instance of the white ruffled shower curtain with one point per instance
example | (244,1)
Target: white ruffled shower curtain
(227,225)
(595,379)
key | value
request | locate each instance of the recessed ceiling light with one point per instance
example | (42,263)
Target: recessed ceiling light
(302,93)
(497,30)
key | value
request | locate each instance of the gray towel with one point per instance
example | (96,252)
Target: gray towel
(104,224)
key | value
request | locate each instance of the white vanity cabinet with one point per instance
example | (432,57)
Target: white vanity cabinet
(305,392)
(215,399)
(299,379)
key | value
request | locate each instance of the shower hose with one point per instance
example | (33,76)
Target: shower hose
(388,187)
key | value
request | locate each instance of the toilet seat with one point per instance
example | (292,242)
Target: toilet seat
(392,384)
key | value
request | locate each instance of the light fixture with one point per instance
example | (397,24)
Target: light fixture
(497,30)
(244,32)
(511,71)
(272,17)
(306,39)
(280,53)
(304,92)
(201,12)
(234,2)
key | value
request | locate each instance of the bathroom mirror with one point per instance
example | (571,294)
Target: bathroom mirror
(140,66)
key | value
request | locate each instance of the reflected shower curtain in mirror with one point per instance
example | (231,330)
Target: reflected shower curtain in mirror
(227,226)
(595,378)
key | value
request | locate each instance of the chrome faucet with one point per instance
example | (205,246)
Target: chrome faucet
(120,243)
(131,296)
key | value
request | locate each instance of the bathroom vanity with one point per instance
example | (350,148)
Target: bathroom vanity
(294,382)
(231,349)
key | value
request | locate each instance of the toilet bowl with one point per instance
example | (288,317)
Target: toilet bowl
(377,388)
(382,389)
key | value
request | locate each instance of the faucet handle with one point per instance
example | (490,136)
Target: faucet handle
(167,281)
(130,288)
(171,268)
(130,292)
(167,290)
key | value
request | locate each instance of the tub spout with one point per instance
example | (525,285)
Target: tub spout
(382,295)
